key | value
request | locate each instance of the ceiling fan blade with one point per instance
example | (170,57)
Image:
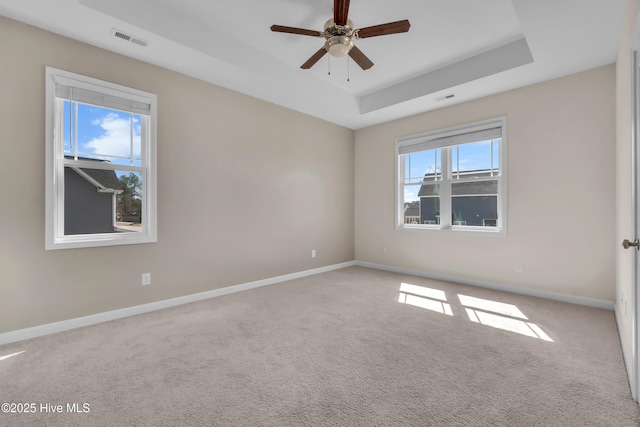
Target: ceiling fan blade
(340,12)
(360,58)
(384,29)
(293,30)
(314,58)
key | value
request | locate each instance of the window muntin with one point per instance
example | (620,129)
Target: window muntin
(100,163)
(453,179)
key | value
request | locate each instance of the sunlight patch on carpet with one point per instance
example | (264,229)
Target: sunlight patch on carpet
(500,315)
(426,303)
(507,324)
(495,314)
(492,306)
(10,355)
(423,291)
(423,297)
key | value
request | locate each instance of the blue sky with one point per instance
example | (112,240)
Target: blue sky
(104,133)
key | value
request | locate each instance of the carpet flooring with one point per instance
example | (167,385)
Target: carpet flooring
(352,347)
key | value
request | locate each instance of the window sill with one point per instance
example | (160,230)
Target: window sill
(97,240)
(486,231)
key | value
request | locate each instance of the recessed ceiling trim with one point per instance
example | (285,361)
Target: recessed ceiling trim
(238,65)
(506,57)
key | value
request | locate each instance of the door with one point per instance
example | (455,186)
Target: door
(636,221)
(635,245)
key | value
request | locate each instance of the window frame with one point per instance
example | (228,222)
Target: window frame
(56,163)
(432,140)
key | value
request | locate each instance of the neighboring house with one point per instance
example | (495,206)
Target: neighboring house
(474,203)
(90,200)
(412,213)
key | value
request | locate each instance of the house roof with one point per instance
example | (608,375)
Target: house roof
(412,209)
(101,178)
(484,187)
(106,178)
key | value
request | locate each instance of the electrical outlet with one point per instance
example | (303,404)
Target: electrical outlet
(519,267)
(146,279)
(313,253)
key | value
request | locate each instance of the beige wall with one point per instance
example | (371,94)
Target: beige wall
(561,192)
(624,230)
(246,190)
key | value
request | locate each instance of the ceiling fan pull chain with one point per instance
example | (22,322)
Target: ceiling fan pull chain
(348,70)
(329,73)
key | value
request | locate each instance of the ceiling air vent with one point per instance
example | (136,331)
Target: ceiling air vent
(442,98)
(128,37)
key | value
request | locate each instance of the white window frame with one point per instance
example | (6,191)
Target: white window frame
(55,163)
(438,139)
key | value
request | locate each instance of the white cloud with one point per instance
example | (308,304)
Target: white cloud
(116,140)
(410,195)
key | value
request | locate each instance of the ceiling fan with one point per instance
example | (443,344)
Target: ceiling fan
(339,34)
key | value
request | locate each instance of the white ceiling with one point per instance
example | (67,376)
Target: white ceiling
(470,48)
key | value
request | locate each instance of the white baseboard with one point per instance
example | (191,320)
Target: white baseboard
(589,302)
(65,325)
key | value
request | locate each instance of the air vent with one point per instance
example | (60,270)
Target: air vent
(123,36)
(128,37)
(139,41)
(448,96)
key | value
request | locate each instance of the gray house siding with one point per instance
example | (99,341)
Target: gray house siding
(86,211)
(475,211)
(429,210)
(473,203)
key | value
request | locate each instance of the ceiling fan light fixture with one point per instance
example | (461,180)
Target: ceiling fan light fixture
(339,34)
(338,46)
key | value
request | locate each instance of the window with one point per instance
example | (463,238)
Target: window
(453,179)
(100,163)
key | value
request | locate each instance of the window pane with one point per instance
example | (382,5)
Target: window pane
(476,159)
(101,201)
(476,211)
(422,204)
(412,212)
(430,210)
(92,132)
(423,166)
(429,204)
(129,202)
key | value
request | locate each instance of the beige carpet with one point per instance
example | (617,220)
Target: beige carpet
(353,347)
